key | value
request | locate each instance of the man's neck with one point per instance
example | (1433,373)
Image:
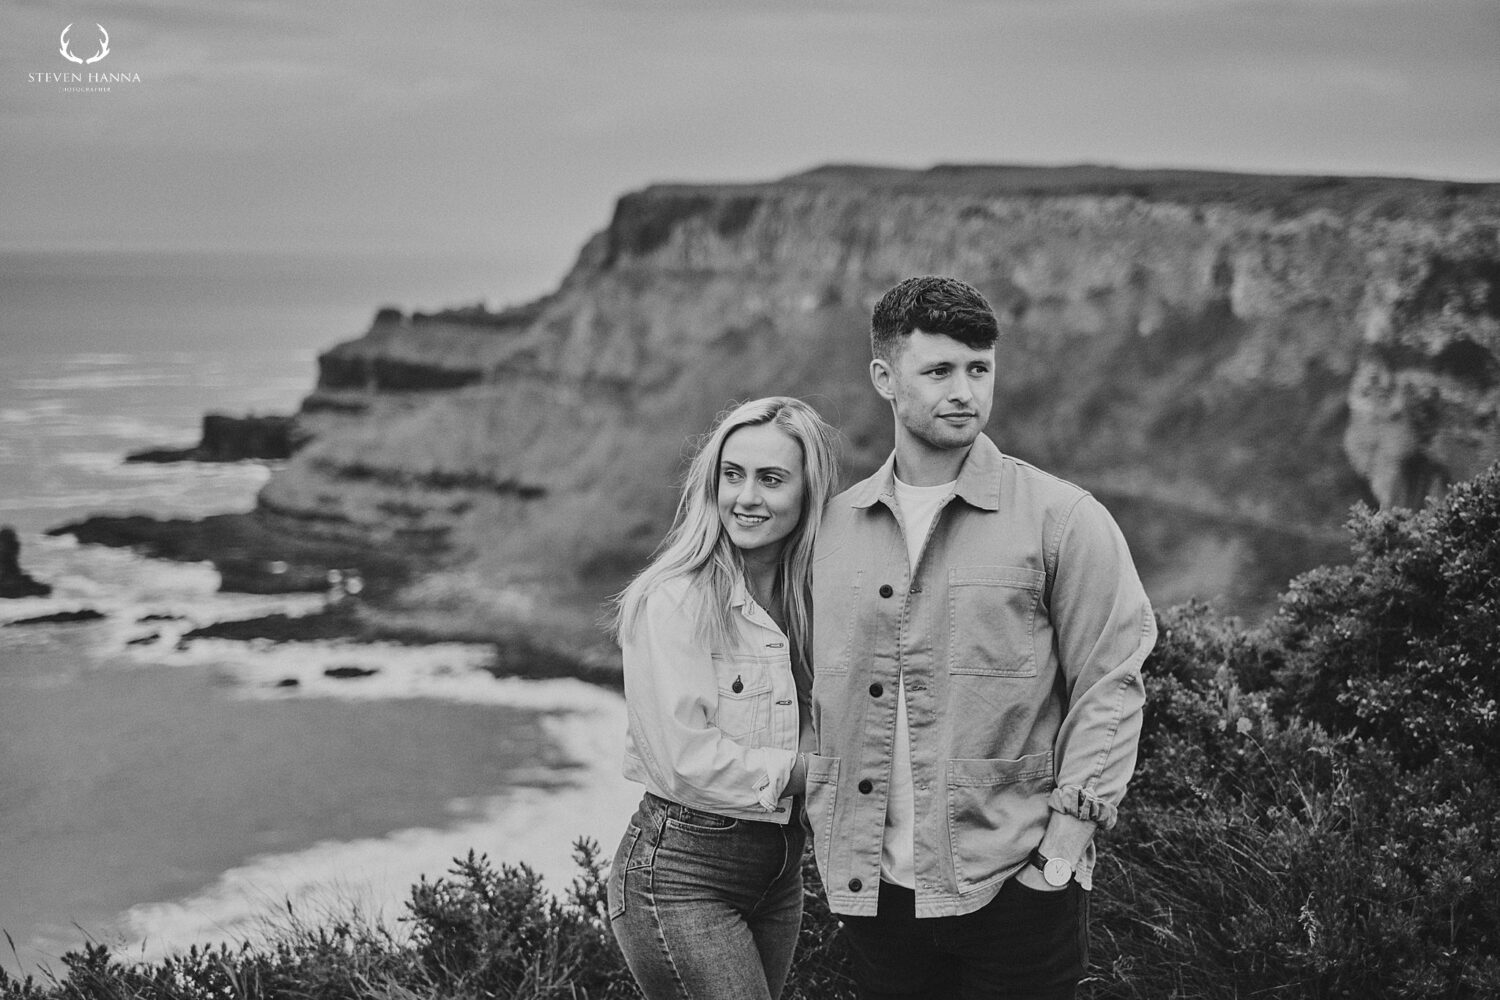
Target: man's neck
(921,466)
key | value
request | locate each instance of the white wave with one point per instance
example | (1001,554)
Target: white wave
(536,826)
(143,432)
(127,587)
(100,358)
(96,380)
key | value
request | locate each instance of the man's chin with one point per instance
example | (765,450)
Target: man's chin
(948,438)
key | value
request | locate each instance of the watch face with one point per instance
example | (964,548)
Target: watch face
(1058,872)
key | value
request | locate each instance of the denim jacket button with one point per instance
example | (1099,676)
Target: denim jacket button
(876,690)
(855,885)
(866,786)
(886,590)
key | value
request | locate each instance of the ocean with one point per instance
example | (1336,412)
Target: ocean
(155,795)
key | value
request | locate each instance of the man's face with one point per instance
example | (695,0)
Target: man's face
(941,390)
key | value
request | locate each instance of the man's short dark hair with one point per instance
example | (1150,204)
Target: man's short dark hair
(932,304)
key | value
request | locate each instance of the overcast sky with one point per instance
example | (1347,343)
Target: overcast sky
(506,129)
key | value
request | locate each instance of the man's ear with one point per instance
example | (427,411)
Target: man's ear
(882,378)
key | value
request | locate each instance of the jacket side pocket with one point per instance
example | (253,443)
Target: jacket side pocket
(822,797)
(997,812)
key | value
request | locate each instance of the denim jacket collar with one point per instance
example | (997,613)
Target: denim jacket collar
(748,607)
(978,479)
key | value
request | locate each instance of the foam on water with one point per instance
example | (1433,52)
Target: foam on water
(534,825)
(65,424)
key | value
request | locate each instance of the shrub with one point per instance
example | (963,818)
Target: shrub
(1403,645)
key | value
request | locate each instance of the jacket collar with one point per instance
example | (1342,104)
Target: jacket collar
(978,479)
(739,597)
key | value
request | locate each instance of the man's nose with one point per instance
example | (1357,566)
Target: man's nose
(960,391)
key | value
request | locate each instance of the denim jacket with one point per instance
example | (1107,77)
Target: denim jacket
(1021,632)
(707,728)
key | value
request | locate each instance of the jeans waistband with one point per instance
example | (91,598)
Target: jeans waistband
(689,814)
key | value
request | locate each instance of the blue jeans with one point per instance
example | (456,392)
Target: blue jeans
(1025,944)
(706,907)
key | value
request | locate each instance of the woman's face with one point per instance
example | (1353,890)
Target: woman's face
(761,482)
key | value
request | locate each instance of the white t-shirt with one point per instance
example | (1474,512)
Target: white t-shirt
(919,505)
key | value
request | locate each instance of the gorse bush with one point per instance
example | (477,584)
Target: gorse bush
(1402,646)
(1316,812)
(1315,815)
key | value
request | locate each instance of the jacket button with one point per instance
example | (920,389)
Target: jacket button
(866,786)
(855,885)
(876,690)
(885,590)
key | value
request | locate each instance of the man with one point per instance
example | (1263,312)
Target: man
(978,635)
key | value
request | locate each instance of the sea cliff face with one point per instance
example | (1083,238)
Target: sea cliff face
(1230,361)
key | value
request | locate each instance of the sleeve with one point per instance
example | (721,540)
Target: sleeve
(671,694)
(1104,629)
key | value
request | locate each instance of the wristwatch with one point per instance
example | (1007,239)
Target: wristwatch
(1057,872)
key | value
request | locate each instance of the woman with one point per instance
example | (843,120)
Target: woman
(705,893)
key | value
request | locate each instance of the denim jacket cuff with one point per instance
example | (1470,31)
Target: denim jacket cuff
(769,788)
(1075,800)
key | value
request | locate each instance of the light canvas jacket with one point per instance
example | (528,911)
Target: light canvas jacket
(713,729)
(1021,632)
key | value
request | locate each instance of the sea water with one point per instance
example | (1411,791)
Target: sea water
(156,794)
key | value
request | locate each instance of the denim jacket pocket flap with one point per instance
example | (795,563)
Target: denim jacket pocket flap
(744,683)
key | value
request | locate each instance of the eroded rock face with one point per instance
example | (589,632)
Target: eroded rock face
(14,581)
(1258,352)
(1425,397)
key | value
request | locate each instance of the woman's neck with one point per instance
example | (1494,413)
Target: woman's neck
(760,577)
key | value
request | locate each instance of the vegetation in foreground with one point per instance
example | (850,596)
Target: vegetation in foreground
(1316,814)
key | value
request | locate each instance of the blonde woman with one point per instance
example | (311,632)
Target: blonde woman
(705,892)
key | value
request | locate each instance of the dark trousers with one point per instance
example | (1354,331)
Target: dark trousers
(1024,944)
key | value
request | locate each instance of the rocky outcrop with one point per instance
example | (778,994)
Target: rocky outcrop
(15,582)
(1230,361)
(227,438)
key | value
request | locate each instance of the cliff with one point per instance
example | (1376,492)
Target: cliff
(1230,361)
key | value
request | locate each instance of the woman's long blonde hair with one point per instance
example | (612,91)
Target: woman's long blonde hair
(698,547)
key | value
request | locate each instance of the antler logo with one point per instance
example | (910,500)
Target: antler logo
(63,46)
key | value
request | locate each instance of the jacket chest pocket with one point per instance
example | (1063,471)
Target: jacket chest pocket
(992,620)
(744,708)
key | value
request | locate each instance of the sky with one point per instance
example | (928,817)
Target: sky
(503,131)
